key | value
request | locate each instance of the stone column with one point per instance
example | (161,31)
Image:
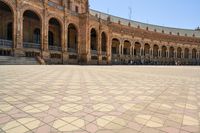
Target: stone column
(167,52)
(121,47)
(109,49)
(130,50)
(142,50)
(45,29)
(183,52)
(121,50)
(175,52)
(99,47)
(133,50)
(64,39)
(197,54)
(18,22)
(151,51)
(190,53)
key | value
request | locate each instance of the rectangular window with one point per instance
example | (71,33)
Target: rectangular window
(76,8)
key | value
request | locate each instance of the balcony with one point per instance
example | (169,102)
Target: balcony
(6,43)
(94,52)
(103,53)
(31,45)
(72,51)
(55,48)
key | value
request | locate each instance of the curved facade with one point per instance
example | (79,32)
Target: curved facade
(67,32)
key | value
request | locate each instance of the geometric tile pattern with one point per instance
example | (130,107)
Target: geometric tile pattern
(98,99)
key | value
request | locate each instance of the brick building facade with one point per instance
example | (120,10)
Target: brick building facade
(68,32)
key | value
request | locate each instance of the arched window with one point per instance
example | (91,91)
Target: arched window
(155,50)
(72,37)
(186,53)
(137,49)
(146,49)
(194,53)
(36,36)
(93,39)
(179,50)
(115,46)
(30,21)
(171,52)
(6,21)
(51,38)
(9,31)
(127,46)
(103,42)
(55,32)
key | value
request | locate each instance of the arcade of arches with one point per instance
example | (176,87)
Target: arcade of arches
(73,40)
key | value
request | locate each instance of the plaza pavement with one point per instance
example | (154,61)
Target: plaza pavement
(99,99)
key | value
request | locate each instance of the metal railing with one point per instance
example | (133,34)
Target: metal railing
(31,45)
(94,52)
(103,53)
(55,48)
(72,50)
(6,43)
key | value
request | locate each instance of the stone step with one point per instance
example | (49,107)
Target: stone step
(9,60)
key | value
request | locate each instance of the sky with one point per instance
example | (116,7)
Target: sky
(171,13)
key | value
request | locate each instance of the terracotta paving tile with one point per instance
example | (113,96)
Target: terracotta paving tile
(95,99)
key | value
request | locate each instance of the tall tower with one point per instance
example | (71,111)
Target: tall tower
(79,6)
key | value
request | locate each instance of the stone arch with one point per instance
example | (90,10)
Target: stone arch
(179,52)
(29,8)
(104,40)
(137,48)
(61,23)
(164,51)
(127,45)
(93,39)
(7,15)
(155,50)
(72,38)
(32,27)
(9,4)
(146,49)
(194,53)
(55,34)
(186,53)
(171,52)
(115,46)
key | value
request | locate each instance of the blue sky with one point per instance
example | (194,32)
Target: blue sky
(172,13)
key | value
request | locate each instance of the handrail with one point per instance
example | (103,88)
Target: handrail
(55,48)
(31,45)
(6,43)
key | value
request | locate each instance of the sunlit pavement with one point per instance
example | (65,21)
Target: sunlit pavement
(99,99)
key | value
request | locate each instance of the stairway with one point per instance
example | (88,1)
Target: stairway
(10,60)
